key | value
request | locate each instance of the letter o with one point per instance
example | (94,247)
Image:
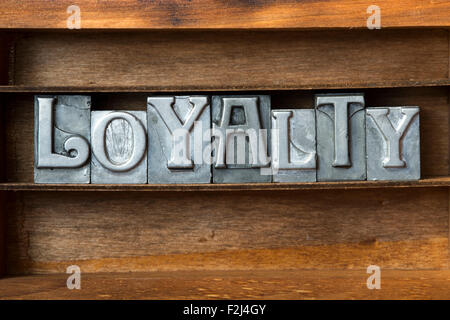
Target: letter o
(139,141)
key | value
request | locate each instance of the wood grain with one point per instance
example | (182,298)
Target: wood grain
(231,60)
(437,182)
(433,102)
(255,228)
(265,285)
(151,89)
(237,14)
(336,229)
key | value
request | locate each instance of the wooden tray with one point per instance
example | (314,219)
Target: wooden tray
(304,240)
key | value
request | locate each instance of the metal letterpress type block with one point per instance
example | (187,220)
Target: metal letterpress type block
(179,138)
(393,143)
(241,136)
(341,137)
(119,147)
(62,135)
(294,145)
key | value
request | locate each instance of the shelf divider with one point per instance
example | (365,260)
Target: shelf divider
(153,89)
(209,14)
(429,182)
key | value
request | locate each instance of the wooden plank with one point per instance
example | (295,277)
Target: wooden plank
(279,284)
(156,89)
(336,229)
(231,60)
(438,182)
(201,14)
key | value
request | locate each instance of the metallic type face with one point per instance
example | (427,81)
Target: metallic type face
(341,135)
(231,141)
(119,147)
(393,143)
(241,130)
(62,134)
(294,145)
(178,135)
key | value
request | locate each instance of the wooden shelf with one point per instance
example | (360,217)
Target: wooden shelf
(272,284)
(193,241)
(224,60)
(429,182)
(153,89)
(209,14)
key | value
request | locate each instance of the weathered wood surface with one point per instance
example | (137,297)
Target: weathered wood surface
(338,185)
(239,14)
(152,89)
(232,60)
(259,231)
(334,229)
(296,284)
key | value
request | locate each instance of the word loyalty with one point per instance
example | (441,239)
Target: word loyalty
(224,139)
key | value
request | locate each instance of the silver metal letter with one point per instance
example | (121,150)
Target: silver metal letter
(294,145)
(340,121)
(119,144)
(245,119)
(62,133)
(178,132)
(393,143)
